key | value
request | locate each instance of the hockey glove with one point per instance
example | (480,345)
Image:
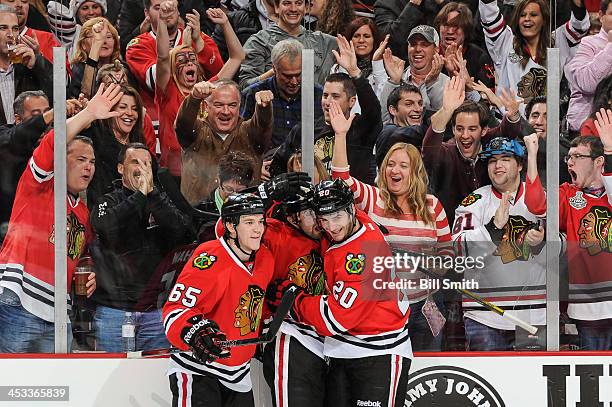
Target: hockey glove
(201,337)
(276,290)
(284,185)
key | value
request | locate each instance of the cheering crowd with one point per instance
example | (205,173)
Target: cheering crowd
(188,205)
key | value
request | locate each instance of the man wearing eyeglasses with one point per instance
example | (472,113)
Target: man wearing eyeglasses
(585,218)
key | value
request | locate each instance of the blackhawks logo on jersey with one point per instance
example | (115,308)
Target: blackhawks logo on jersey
(75,234)
(514,245)
(247,314)
(355,264)
(307,272)
(204,261)
(470,199)
(134,41)
(595,231)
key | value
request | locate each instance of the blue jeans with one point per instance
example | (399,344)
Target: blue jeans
(23,332)
(484,338)
(421,338)
(149,329)
(594,337)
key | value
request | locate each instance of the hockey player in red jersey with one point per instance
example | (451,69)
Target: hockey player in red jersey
(364,326)
(218,295)
(294,364)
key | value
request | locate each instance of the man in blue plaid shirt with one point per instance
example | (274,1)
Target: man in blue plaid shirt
(285,84)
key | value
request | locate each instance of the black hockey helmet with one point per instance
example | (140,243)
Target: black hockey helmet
(331,196)
(300,201)
(237,205)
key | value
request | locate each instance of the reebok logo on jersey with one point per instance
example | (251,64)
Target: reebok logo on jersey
(368,403)
(195,328)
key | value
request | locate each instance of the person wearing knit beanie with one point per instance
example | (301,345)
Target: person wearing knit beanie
(84,10)
(66,22)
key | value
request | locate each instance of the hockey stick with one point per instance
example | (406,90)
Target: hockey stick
(490,306)
(282,311)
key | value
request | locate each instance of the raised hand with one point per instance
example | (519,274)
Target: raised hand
(450,60)
(28,58)
(73,106)
(394,66)
(193,21)
(465,75)
(202,90)
(603,124)
(454,94)
(531,144)
(345,56)
(146,177)
(101,105)
(436,67)
(217,16)
(167,9)
(338,121)
(145,26)
(100,29)
(510,102)
(32,42)
(502,214)
(378,54)
(264,98)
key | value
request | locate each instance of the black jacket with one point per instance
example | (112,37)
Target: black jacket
(40,77)
(17,143)
(134,233)
(360,139)
(245,23)
(399,17)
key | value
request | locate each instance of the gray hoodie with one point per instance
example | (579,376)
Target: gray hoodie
(259,46)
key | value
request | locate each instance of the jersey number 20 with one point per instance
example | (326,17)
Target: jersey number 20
(345,296)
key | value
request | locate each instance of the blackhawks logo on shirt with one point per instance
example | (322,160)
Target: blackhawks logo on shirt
(75,234)
(470,199)
(307,272)
(248,312)
(204,261)
(355,264)
(514,245)
(595,231)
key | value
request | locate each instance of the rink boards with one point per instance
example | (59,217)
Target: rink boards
(446,379)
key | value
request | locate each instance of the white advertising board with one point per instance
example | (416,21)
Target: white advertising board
(443,380)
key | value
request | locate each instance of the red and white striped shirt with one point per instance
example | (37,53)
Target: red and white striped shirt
(407,231)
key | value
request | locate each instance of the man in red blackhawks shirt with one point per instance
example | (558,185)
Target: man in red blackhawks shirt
(219,294)
(585,217)
(365,329)
(27,255)
(141,53)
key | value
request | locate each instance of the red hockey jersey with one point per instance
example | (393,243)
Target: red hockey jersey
(217,285)
(360,318)
(141,57)
(298,257)
(28,253)
(587,221)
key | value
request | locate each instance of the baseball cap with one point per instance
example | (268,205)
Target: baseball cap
(428,32)
(502,145)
